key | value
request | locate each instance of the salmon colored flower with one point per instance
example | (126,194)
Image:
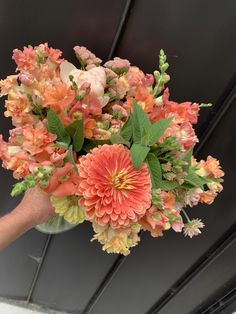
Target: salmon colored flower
(143,98)
(184,134)
(112,191)
(213,168)
(17,104)
(7,84)
(207,197)
(154,221)
(26,59)
(182,112)
(89,126)
(58,97)
(37,139)
(63,181)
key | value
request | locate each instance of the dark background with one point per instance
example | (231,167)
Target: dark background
(168,275)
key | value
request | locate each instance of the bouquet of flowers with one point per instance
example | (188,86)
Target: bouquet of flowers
(107,144)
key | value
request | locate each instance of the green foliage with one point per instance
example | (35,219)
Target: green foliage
(140,122)
(116,138)
(154,169)
(158,129)
(138,154)
(70,158)
(194,179)
(127,130)
(160,75)
(20,187)
(78,137)
(55,126)
(166,185)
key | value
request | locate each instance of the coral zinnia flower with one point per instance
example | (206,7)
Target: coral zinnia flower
(112,191)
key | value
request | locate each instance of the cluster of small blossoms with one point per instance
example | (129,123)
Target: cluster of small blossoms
(107,143)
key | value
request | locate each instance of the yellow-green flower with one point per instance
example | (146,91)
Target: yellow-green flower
(67,206)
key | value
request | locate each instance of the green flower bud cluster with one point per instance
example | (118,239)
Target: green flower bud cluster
(42,175)
(156,199)
(160,76)
(20,187)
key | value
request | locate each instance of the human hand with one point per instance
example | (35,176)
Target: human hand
(35,206)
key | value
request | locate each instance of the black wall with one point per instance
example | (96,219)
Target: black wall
(172,274)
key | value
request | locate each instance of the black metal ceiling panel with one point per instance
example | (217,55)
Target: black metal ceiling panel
(199,39)
(205,285)
(72,270)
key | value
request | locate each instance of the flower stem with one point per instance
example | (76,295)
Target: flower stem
(185,214)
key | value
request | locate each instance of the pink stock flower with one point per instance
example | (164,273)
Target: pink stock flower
(182,112)
(63,181)
(54,55)
(26,59)
(112,191)
(86,57)
(117,63)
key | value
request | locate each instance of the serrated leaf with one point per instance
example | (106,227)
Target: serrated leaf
(188,155)
(138,154)
(146,133)
(55,126)
(140,121)
(78,138)
(194,179)
(127,130)
(158,129)
(166,185)
(71,128)
(154,169)
(116,138)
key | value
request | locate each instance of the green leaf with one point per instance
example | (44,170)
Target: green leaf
(140,122)
(154,169)
(55,126)
(166,185)
(187,157)
(70,158)
(138,154)
(116,138)
(158,129)
(78,138)
(194,179)
(127,130)
(71,128)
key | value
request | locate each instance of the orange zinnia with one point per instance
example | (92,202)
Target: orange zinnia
(112,191)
